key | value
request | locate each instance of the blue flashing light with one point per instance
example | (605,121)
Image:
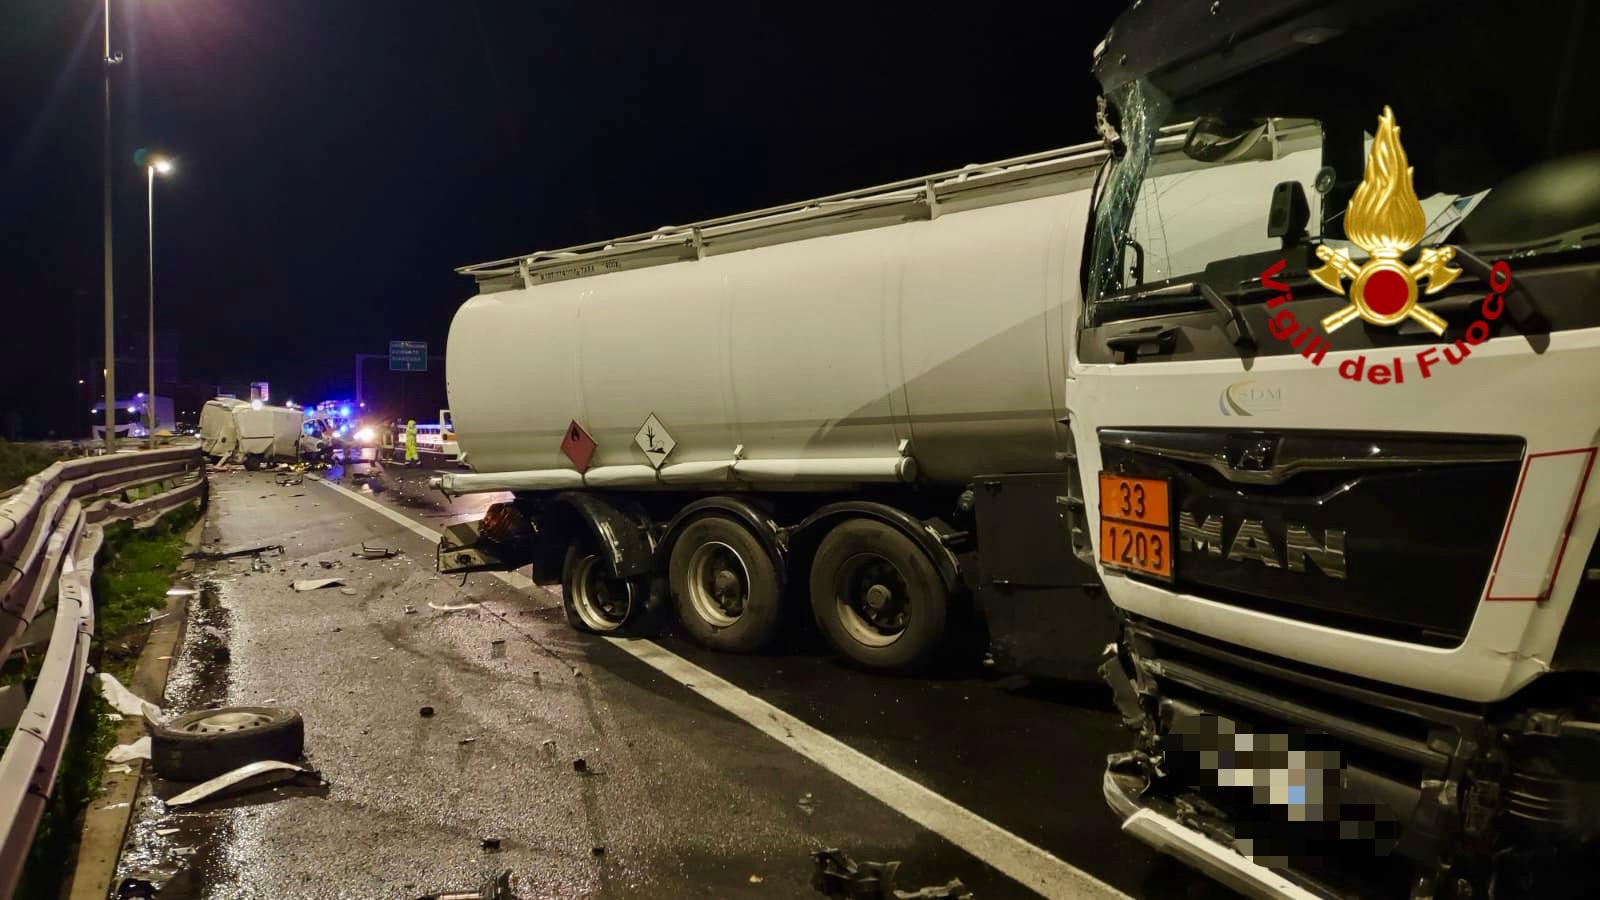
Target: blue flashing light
(345,411)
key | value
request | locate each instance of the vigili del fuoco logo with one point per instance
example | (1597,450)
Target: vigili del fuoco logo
(1385,219)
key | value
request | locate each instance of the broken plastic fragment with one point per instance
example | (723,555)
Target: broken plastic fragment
(122,753)
(127,702)
(454,608)
(312,584)
(230,779)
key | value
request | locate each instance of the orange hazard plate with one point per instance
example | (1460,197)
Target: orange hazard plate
(1136,525)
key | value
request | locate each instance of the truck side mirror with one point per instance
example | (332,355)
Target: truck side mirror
(1289,214)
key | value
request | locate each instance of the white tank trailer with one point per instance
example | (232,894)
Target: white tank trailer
(856,401)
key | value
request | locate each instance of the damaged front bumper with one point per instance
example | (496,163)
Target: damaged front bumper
(1283,780)
(1169,836)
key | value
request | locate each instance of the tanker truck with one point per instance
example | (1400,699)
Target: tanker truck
(849,410)
(1340,459)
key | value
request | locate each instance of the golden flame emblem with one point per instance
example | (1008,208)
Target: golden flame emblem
(1385,219)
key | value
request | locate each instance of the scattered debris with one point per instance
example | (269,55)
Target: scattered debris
(496,888)
(580,765)
(409,610)
(453,608)
(756,879)
(348,592)
(122,753)
(840,877)
(229,780)
(808,803)
(469,740)
(231,554)
(119,770)
(257,564)
(328,563)
(163,832)
(598,850)
(426,712)
(380,552)
(490,843)
(181,592)
(497,648)
(289,479)
(127,702)
(312,584)
(131,888)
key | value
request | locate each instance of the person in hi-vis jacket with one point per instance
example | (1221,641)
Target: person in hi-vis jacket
(411,442)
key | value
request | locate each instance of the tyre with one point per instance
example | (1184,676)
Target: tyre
(725,586)
(594,601)
(252,461)
(202,745)
(877,597)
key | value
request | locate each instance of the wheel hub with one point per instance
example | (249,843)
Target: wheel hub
(718,583)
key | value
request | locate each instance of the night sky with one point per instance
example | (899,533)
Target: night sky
(338,158)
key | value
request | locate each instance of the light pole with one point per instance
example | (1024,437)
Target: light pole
(110,59)
(154,166)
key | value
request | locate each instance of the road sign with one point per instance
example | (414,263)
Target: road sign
(578,446)
(408,356)
(654,441)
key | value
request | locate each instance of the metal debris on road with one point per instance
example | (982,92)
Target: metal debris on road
(497,648)
(840,877)
(756,879)
(409,610)
(328,563)
(598,850)
(312,584)
(808,804)
(581,766)
(257,564)
(230,554)
(131,888)
(230,780)
(379,552)
(490,843)
(289,479)
(496,888)
(453,608)
(426,712)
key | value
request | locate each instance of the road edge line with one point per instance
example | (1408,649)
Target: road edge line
(1022,861)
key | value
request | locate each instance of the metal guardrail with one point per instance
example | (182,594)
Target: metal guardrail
(50,532)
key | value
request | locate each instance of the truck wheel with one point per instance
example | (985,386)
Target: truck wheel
(252,461)
(594,601)
(725,586)
(878,597)
(201,745)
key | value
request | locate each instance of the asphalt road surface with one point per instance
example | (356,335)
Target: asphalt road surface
(706,775)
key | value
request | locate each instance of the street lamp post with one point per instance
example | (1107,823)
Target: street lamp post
(155,166)
(110,59)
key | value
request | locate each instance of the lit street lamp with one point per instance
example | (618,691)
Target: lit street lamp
(110,59)
(156,165)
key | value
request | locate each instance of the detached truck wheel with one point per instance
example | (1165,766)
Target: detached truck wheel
(877,597)
(594,601)
(725,586)
(202,745)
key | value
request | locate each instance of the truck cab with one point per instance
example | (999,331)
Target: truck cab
(1335,398)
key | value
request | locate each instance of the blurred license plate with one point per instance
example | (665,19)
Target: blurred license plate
(1136,525)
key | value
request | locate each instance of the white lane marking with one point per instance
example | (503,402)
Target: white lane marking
(1022,861)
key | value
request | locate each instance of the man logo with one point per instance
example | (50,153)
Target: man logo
(1246,398)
